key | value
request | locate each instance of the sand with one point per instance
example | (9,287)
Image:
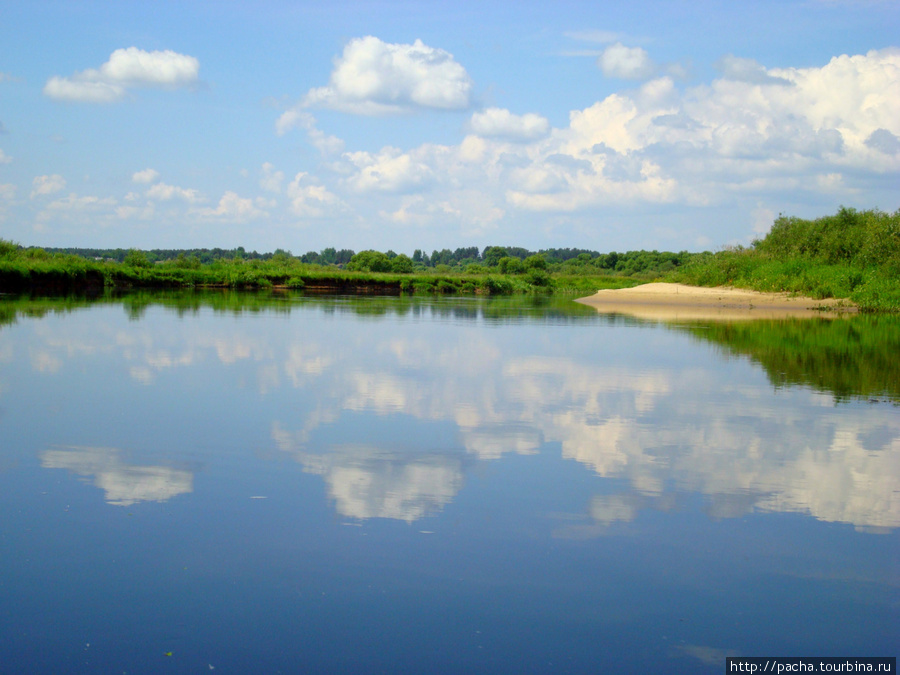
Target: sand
(678,302)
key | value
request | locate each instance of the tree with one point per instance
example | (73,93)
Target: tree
(370,261)
(136,258)
(402,264)
(510,265)
(535,262)
(492,255)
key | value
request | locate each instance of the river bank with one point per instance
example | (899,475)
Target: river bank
(673,301)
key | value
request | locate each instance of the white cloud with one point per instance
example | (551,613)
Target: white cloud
(271,180)
(234,208)
(145,176)
(627,63)
(47,185)
(309,200)
(87,210)
(746,70)
(327,145)
(372,77)
(135,67)
(126,68)
(4,158)
(504,124)
(163,192)
(390,170)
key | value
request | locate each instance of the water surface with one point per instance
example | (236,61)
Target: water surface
(286,484)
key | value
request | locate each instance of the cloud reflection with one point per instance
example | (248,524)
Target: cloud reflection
(372,482)
(675,426)
(123,484)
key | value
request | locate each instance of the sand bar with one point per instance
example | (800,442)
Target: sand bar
(678,302)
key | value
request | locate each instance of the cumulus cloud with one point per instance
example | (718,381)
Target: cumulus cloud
(234,208)
(164,192)
(627,63)
(390,170)
(310,200)
(372,77)
(125,69)
(47,185)
(501,123)
(145,176)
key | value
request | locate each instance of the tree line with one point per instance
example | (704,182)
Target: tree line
(505,259)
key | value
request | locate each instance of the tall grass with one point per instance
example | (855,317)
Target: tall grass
(851,255)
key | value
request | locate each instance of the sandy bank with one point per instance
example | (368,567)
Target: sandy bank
(661,301)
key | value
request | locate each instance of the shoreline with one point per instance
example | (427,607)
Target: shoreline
(669,301)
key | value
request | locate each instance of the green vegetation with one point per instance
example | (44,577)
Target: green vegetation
(849,358)
(852,254)
(497,272)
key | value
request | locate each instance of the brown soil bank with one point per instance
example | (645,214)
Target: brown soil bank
(678,302)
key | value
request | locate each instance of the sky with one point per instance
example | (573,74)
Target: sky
(423,125)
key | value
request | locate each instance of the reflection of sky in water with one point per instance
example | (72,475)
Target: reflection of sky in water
(320,491)
(123,484)
(634,403)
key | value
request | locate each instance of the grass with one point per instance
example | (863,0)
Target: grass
(852,255)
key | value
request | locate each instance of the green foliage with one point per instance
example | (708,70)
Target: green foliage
(852,254)
(370,261)
(137,259)
(849,358)
(535,262)
(8,249)
(402,264)
(510,265)
(493,254)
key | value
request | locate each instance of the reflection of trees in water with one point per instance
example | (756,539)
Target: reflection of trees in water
(854,357)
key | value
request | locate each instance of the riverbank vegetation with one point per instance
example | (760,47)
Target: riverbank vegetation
(851,255)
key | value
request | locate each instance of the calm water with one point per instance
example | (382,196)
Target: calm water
(199,483)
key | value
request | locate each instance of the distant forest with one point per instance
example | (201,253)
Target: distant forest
(629,262)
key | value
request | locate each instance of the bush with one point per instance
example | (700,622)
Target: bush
(137,259)
(402,264)
(370,261)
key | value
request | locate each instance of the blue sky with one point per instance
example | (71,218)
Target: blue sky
(404,125)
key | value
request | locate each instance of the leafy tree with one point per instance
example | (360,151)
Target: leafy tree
(492,255)
(402,264)
(510,265)
(370,261)
(535,262)
(136,258)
